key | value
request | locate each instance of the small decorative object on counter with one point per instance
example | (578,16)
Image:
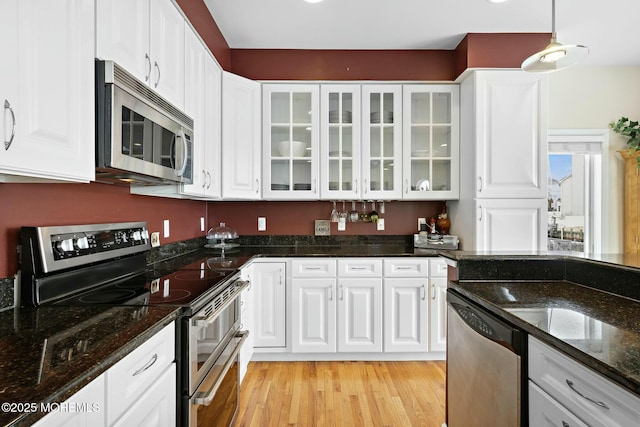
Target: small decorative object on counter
(432,226)
(221,233)
(444,223)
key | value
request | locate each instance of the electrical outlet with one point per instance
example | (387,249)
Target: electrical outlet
(166,228)
(421,221)
(262,223)
(155,239)
(380,224)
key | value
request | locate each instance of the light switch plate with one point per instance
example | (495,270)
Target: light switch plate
(166,228)
(380,224)
(342,224)
(323,227)
(262,223)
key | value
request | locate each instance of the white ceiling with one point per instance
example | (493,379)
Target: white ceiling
(608,27)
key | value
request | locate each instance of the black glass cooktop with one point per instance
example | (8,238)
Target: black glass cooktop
(189,286)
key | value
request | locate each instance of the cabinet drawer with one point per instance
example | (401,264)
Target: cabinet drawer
(132,377)
(437,267)
(406,267)
(545,411)
(360,267)
(308,267)
(581,390)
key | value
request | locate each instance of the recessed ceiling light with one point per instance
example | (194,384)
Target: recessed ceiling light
(313,1)
(497,1)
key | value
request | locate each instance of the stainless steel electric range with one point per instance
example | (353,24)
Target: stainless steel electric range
(100,264)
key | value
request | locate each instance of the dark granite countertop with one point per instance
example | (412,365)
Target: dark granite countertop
(34,367)
(237,257)
(596,328)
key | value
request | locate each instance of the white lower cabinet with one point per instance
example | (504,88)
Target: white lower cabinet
(139,390)
(268,280)
(90,398)
(406,314)
(148,370)
(313,316)
(246,317)
(572,389)
(360,314)
(544,411)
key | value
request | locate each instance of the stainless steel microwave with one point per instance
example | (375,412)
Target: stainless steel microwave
(140,137)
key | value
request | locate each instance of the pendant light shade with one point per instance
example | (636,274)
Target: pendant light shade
(555,56)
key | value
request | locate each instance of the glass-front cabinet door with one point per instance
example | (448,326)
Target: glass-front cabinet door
(291,141)
(431,142)
(340,142)
(382,142)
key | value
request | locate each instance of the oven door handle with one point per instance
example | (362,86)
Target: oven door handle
(205,398)
(241,285)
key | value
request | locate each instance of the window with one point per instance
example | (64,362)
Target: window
(574,217)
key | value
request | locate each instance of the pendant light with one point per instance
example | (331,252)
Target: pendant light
(555,56)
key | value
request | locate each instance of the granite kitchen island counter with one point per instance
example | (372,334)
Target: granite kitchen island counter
(588,308)
(49,353)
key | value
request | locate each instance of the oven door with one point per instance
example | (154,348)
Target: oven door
(215,402)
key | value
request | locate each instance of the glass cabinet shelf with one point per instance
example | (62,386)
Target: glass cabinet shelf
(430,157)
(291,141)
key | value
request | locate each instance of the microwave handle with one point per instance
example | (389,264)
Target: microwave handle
(185,146)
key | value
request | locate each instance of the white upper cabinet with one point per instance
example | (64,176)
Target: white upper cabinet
(431,142)
(382,142)
(47,90)
(340,146)
(511,134)
(291,141)
(241,150)
(203,102)
(147,39)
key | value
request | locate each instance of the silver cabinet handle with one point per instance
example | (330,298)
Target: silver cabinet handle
(146,78)
(341,293)
(257,186)
(204,178)
(315,186)
(365,188)
(355,186)
(433,292)
(330,294)
(600,404)
(406,186)
(208,180)
(309,268)
(479,184)
(423,292)
(7,106)
(480,211)
(149,364)
(205,398)
(155,64)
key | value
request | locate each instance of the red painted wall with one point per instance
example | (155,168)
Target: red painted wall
(68,204)
(300,64)
(297,218)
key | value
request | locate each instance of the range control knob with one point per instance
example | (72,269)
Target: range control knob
(82,243)
(65,245)
(136,236)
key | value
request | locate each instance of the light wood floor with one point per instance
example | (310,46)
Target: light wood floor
(343,394)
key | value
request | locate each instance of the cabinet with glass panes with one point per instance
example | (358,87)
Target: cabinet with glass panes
(431,142)
(291,141)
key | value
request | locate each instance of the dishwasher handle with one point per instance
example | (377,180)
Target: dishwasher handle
(486,324)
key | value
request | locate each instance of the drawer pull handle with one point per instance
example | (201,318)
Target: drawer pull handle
(312,268)
(149,364)
(600,404)
(565,424)
(357,268)
(400,267)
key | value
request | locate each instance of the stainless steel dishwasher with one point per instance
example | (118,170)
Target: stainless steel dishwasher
(484,367)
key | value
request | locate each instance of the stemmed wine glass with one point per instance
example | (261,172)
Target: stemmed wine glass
(334,213)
